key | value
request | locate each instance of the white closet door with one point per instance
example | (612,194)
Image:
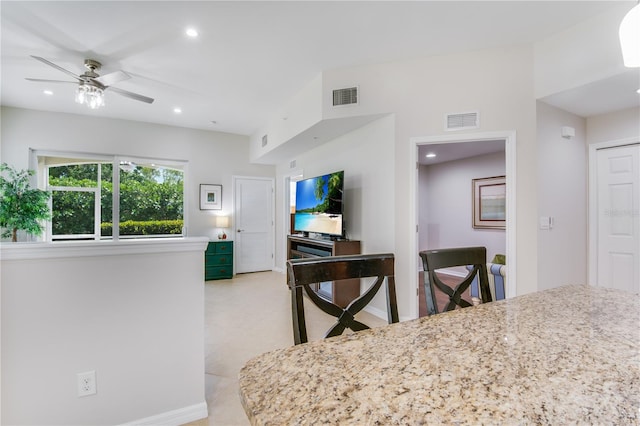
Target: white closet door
(618,264)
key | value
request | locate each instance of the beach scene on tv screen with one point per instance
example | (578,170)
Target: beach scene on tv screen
(319,204)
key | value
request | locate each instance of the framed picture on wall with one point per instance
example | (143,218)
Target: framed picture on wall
(489,203)
(210,197)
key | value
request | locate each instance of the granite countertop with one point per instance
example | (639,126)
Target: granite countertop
(565,355)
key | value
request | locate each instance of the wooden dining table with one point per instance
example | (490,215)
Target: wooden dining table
(568,355)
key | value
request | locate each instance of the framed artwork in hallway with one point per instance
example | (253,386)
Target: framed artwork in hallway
(489,203)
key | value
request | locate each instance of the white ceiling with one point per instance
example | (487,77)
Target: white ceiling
(457,151)
(250,57)
(610,94)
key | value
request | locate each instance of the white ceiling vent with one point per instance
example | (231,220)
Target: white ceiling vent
(264,140)
(347,96)
(465,120)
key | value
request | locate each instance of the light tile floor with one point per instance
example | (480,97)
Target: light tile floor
(244,317)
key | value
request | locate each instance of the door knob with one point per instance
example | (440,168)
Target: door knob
(240,230)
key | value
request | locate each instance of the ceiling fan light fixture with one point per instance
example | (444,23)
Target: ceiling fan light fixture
(91,96)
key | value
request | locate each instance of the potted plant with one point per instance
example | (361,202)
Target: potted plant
(21,207)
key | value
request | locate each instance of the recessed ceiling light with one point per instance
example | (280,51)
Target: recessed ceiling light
(48,92)
(177,110)
(638,91)
(431,155)
(191,32)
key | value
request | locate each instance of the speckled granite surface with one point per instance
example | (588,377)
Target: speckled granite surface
(563,356)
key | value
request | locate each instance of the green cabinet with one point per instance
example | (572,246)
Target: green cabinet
(218,260)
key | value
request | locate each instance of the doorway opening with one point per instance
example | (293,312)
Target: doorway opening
(481,145)
(289,200)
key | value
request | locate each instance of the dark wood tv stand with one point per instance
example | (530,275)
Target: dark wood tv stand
(301,247)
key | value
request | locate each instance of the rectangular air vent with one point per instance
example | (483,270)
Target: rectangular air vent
(465,120)
(292,164)
(264,140)
(348,96)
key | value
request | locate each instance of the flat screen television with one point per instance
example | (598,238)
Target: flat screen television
(319,207)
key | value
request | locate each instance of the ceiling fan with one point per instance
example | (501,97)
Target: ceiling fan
(91,85)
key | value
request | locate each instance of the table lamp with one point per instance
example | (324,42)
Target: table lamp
(222,222)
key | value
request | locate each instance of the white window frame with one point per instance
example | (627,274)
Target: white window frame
(42,176)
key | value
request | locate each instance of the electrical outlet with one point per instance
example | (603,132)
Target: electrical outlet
(87,383)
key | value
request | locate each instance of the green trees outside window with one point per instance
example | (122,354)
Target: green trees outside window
(151,200)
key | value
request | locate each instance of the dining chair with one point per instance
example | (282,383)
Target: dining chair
(305,272)
(473,257)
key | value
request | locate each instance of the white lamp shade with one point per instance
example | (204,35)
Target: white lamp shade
(630,37)
(222,221)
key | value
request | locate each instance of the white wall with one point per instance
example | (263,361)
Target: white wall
(562,194)
(301,112)
(213,156)
(446,200)
(617,125)
(136,318)
(365,156)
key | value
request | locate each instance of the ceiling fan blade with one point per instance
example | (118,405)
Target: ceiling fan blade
(131,95)
(50,81)
(112,78)
(51,64)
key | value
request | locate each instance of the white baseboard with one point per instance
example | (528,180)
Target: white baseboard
(175,417)
(376,312)
(382,314)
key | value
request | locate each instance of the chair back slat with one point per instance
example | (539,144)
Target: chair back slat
(331,268)
(461,256)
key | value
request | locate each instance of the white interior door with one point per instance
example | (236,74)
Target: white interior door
(253,206)
(618,247)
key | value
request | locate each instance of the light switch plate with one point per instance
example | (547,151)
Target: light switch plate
(544,222)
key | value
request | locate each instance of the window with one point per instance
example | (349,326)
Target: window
(76,200)
(145,198)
